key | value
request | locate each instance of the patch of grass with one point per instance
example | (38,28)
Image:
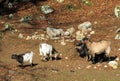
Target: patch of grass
(87,2)
(1,17)
(1,35)
(70,7)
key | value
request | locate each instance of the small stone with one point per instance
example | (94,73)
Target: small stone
(95,22)
(67,33)
(45,9)
(79,35)
(79,67)
(118,30)
(86,25)
(92,32)
(11,15)
(20,35)
(95,67)
(117,11)
(28,38)
(88,67)
(105,66)
(117,36)
(66,58)
(63,43)
(60,1)
(67,65)
(113,64)
(71,30)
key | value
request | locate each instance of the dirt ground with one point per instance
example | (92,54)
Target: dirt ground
(70,67)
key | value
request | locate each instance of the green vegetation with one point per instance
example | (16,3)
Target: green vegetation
(87,2)
(70,7)
(26,18)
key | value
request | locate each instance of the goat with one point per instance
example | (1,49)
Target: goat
(97,48)
(82,49)
(48,52)
(21,58)
(52,32)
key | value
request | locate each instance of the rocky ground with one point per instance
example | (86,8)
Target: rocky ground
(70,67)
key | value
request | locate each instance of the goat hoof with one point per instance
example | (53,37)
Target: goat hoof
(93,62)
(22,67)
(31,65)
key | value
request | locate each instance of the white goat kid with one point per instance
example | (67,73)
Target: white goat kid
(48,52)
(25,57)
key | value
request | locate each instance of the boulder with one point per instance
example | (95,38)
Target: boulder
(86,25)
(45,9)
(117,11)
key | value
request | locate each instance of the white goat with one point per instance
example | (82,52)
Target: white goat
(48,52)
(97,48)
(25,57)
(53,33)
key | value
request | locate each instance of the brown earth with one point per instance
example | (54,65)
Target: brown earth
(105,24)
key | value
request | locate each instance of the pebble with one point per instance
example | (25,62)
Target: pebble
(119,49)
(28,38)
(92,32)
(63,43)
(60,1)
(20,35)
(105,66)
(95,67)
(88,67)
(113,64)
(66,58)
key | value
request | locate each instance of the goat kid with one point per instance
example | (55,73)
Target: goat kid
(48,52)
(25,57)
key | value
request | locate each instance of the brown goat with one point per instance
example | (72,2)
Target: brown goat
(97,48)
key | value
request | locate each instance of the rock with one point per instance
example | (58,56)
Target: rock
(117,36)
(9,27)
(20,35)
(105,66)
(95,22)
(118,30)
(11,16)
(10,5)
(71,30)
(63,43)
(45,9)
(60,1)
(117,11)
(92,32)
(79,67)
(28,38)
(113,64)
(88,67)
(95,67)
(119,49)
(66,33)
(66,58)
(26,18)
(79,35)
(86,25)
